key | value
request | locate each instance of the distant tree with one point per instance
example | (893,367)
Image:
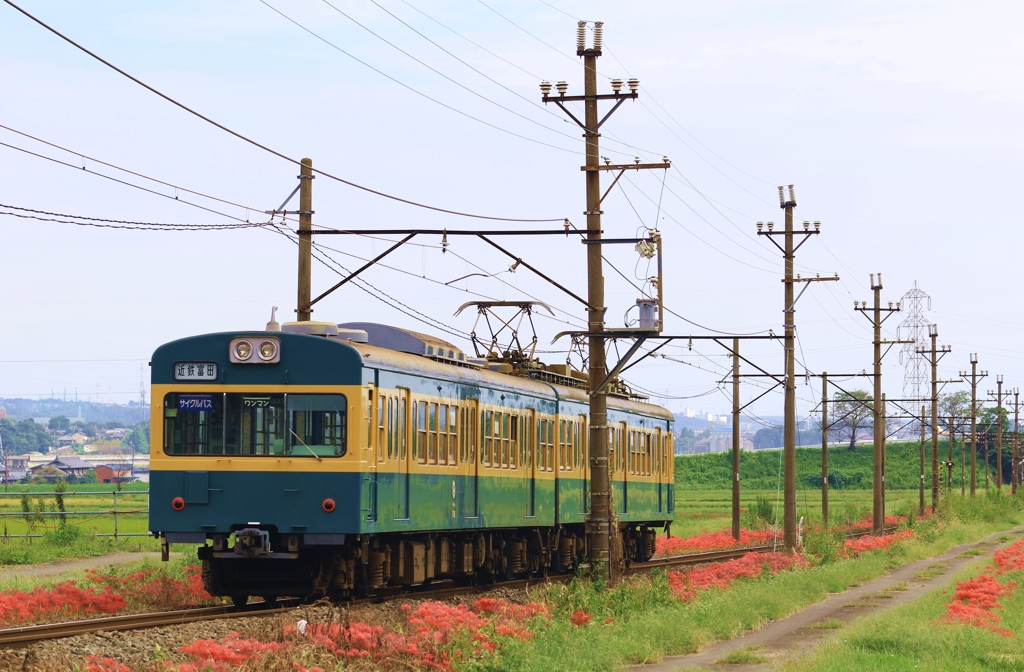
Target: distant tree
(853,414)
(90,429)
(60,423)
(768,437)
(956,405)
(685,439)
(113,424)
(137,440)
(25,436)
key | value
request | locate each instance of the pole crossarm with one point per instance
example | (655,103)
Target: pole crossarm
(436,232)
(770,234)
(628,166)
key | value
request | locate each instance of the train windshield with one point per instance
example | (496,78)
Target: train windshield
(297,425)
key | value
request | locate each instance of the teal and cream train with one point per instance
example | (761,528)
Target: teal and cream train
(338,460)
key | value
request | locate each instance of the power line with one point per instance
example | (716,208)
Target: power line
(264,147)
(417,91)
(121,224)
(129,184)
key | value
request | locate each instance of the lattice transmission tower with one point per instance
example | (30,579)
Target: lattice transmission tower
(916,376)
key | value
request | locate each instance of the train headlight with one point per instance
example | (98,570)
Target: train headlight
(243,350)
(267,350)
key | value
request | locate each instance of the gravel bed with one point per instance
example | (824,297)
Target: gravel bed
(139,649)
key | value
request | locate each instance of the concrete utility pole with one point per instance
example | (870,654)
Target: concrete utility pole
(923,425)
(936,355)
(974,417)
(877,404)
(999,431)
(305,241)
(736,439)
(824,449)
(601,531)
(789,311)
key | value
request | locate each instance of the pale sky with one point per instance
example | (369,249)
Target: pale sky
(898,122)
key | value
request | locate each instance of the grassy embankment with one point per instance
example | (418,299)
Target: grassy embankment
(71,539)
(647,621)
(703,483)
(913,637)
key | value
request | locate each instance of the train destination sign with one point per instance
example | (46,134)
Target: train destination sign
(195,402)
(195,371)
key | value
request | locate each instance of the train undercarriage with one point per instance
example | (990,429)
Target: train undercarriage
(270,565)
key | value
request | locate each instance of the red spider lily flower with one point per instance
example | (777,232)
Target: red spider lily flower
(686,584)
(579,618)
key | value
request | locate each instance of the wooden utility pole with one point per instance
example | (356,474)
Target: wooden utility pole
(963,457)
(936,354)
(736,439)
(824,449)
(877,404)
(878,425)
(985,457)
(923,425)
(302,307)
(974,417)
(602,531)
(949,469)
(999,432)
(1014,475)
(788,250)
(789,428)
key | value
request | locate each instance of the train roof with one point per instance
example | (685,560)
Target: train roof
(315,358)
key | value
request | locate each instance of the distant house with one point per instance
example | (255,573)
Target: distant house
(68,465)
(10,475)
(76,439)
(17,462)
(114,473)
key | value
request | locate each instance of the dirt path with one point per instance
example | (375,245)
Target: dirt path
(51,568)
(802,631)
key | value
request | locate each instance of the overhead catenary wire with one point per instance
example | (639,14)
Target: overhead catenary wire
(119,223)
(264,147)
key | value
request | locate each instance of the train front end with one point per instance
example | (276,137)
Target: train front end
(252,456)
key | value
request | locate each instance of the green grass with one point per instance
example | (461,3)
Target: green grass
(750,655)
(759,470)
(827,624)
(174,567)
(641,620)
(72,539)
(911,638)
(54,547)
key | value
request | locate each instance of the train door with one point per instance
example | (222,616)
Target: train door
(581,451)
(528,461)
(370,457)
(629,450)
(402,453)
(659,476)
(471,498)
(618,463)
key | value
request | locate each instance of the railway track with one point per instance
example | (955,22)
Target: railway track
(24,635)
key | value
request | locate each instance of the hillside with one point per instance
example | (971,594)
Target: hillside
(847,469)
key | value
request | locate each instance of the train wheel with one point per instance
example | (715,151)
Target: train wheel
(269,601)
(240,601)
